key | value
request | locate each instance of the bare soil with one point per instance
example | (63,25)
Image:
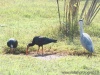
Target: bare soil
(48,55)
(52,54)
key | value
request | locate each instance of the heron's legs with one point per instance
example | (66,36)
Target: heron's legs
(90,55)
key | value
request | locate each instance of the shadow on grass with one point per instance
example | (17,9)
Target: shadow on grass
(33,52)
(75,53)
(44,55)
(18,50)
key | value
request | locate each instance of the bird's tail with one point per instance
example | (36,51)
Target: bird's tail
(49,40)
(54,40)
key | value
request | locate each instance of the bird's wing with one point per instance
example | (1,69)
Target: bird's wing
(86,39)
(44,40)
(38,40)
(15,43)
(87,42)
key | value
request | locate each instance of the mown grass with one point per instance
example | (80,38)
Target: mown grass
(69,65)
(24,19)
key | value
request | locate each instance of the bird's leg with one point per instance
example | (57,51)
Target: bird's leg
(38,49)
(90,55)
(42,50)
(11,50)
(27,50)
(84,51)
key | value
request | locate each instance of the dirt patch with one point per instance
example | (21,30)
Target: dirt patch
(53,54)
(59,53)
(49,55)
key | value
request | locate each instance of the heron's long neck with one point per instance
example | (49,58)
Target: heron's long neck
(81,28)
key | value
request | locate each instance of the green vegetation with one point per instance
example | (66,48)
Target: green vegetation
(70,65)
(24,19)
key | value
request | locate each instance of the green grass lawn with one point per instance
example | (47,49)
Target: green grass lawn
(24,19)
(68,65)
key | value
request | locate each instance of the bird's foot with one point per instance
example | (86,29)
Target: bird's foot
(27,52)
(42,54)
(38,53)
(90,55)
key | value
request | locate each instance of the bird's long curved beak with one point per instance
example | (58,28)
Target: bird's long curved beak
(27,50)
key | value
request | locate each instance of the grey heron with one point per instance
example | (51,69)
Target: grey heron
(85,39)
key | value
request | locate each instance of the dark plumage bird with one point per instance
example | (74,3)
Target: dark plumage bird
(12,43)
(40,41)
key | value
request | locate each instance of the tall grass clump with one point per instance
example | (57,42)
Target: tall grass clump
(69,20)
(90,10)
(69,25)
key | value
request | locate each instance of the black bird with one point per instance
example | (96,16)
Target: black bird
(40,41)
(12,43)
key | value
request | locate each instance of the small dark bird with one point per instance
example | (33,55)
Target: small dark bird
(12,43)
(40,41)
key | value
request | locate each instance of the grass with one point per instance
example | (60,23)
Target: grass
(69,65)
(24,19)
